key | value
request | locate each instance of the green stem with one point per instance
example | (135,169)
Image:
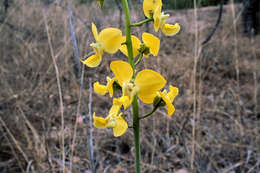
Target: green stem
(148,114)
(152,111)
(134,103)
(142,22)
(128,34)
(136,126)
(139,59)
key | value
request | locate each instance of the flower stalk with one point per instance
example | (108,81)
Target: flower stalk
(142,22)
(136,124)
(128,33)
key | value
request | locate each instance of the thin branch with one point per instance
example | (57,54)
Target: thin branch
(59,89)
(217,23)
(90,139)
(142,22)
(76,54)
(75,47)
(18,146)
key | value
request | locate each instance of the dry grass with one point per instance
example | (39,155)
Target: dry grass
(215,127)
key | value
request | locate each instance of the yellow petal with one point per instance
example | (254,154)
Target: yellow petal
(117,101)
(152,42)
(100,89)
(122,71)
(148,83)
(93,61)
(115,107)
(123,47)
(157,19)
(94,31)
(172,93)
(99,122)
(135,43)
(149,7)
(170,30)
(147,98)
(110,86)
(111,38)
(126,101)
(121,126)
(169,105)
(123,100)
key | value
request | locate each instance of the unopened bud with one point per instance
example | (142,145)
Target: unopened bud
(158,102)
(144,49)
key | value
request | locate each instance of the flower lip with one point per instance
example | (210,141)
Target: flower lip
(114,120)
(170,30)
(93,61)
(108,40)
(168,98)
(111,121)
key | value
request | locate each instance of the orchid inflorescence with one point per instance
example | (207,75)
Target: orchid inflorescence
(145,84)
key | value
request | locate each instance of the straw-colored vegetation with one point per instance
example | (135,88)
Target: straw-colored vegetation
(216,124)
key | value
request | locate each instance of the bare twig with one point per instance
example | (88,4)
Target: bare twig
(253,43)
(7,162)
(90,139)
(217,23)
(238,107)
(75,47)
(76,54)
(13,151)
(232,167)
(194,88)
(78,114)
(59,89)
(18,146)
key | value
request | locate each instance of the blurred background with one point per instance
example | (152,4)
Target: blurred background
(46,95)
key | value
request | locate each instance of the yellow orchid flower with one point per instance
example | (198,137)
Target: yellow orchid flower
(152,9)
(149,7)
(114,120)
(168,98)
(103,89)
(145,85)
(108,40)
(150,41)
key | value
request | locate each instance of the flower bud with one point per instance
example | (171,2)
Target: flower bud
(158,102)
(144,49)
